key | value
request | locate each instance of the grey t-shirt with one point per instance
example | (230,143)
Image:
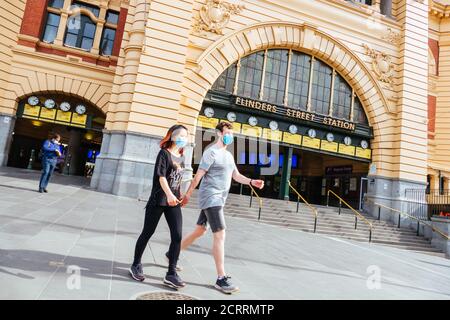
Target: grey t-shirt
(215,185)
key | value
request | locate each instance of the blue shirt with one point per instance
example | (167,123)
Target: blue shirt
(49,149)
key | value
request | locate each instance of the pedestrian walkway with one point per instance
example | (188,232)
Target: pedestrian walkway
(47,239)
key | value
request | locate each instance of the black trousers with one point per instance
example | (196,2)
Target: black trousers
(174,220)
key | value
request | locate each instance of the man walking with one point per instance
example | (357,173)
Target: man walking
(50,154)
(217,167)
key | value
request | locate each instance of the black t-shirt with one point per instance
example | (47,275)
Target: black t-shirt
(169,166)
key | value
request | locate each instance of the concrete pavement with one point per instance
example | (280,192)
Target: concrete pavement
(47,240)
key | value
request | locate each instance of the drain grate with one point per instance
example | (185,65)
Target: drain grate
(163,295)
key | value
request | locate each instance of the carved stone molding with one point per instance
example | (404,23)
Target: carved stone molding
(381,65)
(392,37)
(215,15)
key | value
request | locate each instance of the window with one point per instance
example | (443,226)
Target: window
(95,10)
(56,3)
(226,80)
(107,43)
(342,98)
(299,80)
(250,75)
(112,17)
(321,87)
(82,37)
(51,27)
(275,76)
(359,115)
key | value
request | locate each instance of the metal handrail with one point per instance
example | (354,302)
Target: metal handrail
(314,210)
(354,211)
(401,213)
(259,199)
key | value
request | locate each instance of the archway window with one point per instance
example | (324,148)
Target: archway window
(299,80)
(342,98)
(250,75)
(275,76)
(295,80)
(226,80)
(321,87)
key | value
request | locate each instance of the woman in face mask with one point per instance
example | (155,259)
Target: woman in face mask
(165,199)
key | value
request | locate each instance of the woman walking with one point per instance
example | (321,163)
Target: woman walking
(165,198)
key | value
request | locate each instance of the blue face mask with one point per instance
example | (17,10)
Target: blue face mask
(227,139)
(181,142)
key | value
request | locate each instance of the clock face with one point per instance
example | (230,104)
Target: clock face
(273,125)
(348,141)
(364,144)
(49,103)
(64,106)
(293,129)
(209,112)
(80,109)
(312,133)
(330,137)
(252,121)
(231,116)
(33,101)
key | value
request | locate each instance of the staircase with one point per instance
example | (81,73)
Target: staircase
(283,213)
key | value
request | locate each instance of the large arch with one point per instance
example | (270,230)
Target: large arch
(225,51)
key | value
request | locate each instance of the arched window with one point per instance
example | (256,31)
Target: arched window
(275,76)
(250,75)
(225,82)
(80,35)
(321,87)
(342,98)
(299,80)
(288,79)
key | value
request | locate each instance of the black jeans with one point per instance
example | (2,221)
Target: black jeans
(174,220)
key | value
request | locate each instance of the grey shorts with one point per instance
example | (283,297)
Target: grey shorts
(213,216)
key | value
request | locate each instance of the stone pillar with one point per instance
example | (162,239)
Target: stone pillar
(286,174)
(409,165)
(6,129)
(437,240)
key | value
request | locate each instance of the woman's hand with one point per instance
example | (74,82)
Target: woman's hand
(172,200)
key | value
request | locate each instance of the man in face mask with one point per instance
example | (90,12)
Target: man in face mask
(217,167)
(50,154)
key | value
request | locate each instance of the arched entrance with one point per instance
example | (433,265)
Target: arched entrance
(78,122)
(306,115)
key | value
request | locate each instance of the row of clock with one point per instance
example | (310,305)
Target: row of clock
(293,129)
(51,104)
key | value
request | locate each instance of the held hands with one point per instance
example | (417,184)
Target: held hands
(172,200)
(185,200)
(257,183)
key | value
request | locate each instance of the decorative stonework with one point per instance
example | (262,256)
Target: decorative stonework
(392,37)
(215,15)
(382,65)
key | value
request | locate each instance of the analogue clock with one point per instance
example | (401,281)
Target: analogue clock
(364,144)
(273,125)
(293,129)
(348,141)
(33,101)
(252,121)
(209,112)
(231,116)
(312,133)
(330,137)
(80,109)
(64,106)
(49,103)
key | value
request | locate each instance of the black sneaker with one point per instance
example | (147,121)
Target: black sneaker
(45,190)
(41,190)
(178,267)
(137,273)
(174,281)
(225,285)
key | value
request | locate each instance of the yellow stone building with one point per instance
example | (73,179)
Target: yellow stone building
(353,93)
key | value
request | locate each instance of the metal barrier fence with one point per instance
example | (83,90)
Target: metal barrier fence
(423,204)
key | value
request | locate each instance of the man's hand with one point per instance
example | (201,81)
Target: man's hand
(58,153)
(185,200)
(258,184)
(172,200)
